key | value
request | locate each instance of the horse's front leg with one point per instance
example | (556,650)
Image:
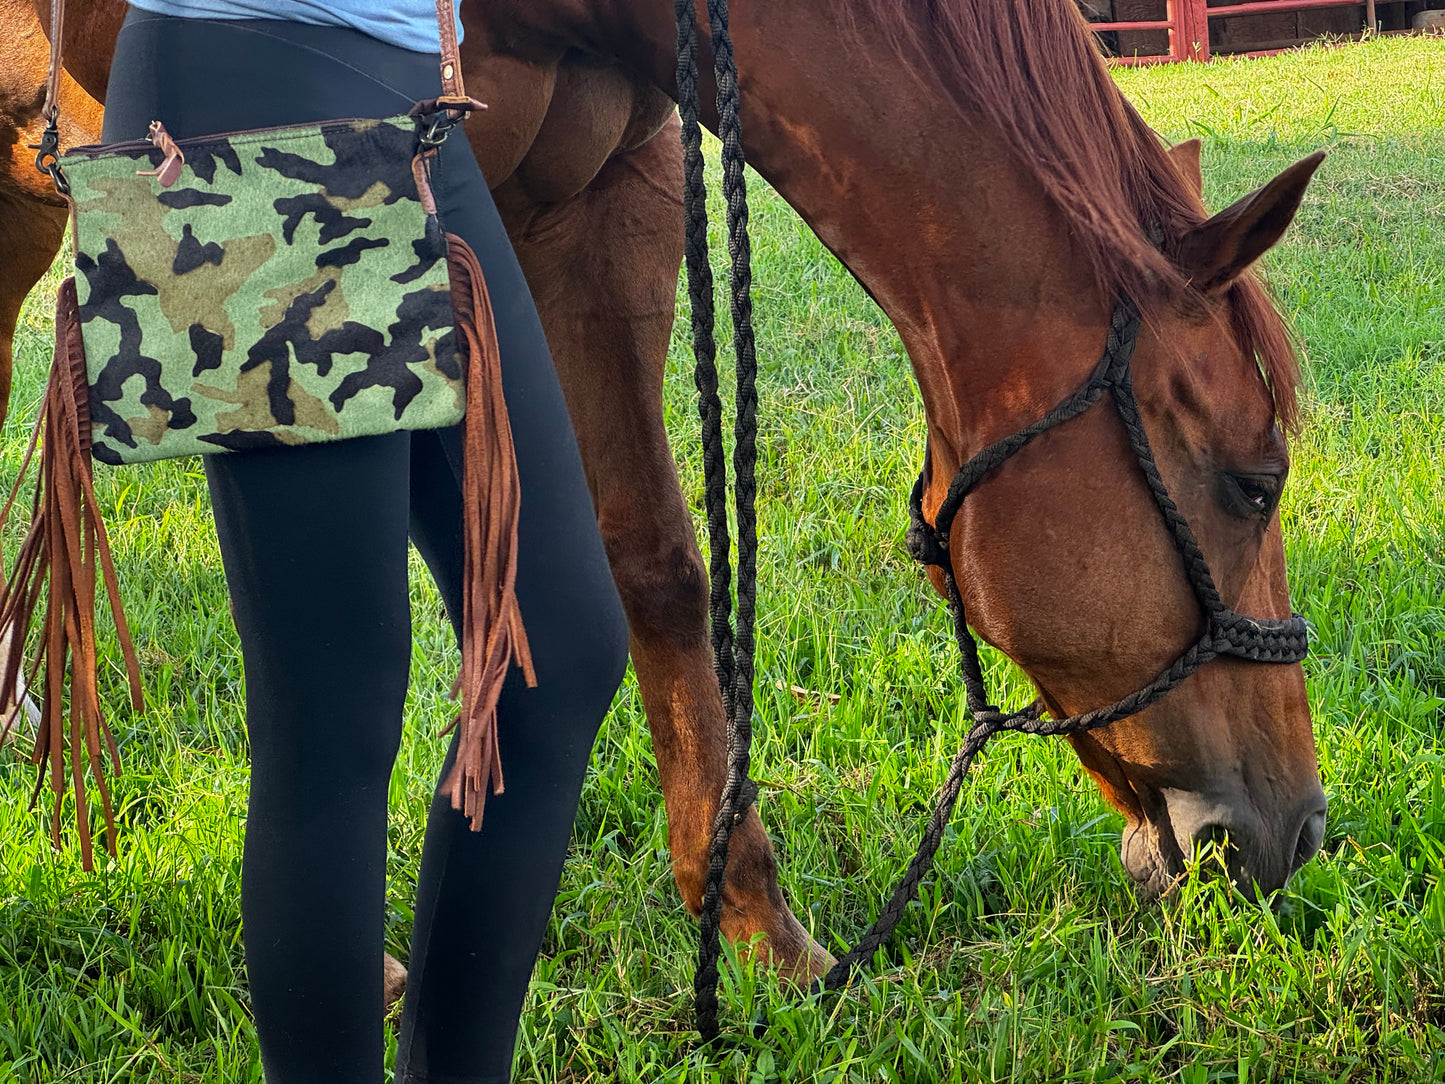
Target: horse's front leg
(603,268)
(30,236)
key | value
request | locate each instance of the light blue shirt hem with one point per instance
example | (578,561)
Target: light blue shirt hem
(410,24)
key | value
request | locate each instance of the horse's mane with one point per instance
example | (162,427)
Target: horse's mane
(1031,70)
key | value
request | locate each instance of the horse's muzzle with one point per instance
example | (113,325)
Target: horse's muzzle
(1261,849)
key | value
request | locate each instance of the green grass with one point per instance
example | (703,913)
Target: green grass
(1030,956)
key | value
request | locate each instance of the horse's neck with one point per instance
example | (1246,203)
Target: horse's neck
(949,234)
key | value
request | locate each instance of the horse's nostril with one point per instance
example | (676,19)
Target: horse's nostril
(1216,834)
(1213,843)
(1311,835)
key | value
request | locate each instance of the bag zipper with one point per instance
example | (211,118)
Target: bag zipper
(92,150)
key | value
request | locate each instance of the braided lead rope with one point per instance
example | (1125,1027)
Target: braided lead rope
(739,791)
(732,650)
(1123,330)
(1195,566)
(929,545)
(704,348)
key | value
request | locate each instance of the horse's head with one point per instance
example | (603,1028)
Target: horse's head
(1091,598)
(975,166)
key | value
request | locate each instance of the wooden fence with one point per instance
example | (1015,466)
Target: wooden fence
(1187,23)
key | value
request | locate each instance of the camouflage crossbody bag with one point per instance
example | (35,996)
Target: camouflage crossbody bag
(254,290)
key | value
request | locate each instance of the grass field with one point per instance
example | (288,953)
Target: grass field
(1030,956)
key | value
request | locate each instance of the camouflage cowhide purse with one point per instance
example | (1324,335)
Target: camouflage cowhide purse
(248,291)
(244,291)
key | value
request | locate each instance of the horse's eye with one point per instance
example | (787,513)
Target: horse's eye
(1250,495)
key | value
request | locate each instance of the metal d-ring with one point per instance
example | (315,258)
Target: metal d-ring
(437,134)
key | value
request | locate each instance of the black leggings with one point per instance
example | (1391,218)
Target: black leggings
(315,547)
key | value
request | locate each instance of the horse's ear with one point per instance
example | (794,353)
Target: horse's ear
(1185,157)
(1218,251)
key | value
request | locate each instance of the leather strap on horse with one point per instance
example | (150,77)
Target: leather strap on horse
(67,541)
(492,633)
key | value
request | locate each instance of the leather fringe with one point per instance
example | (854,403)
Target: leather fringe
(64,554)
(492,637)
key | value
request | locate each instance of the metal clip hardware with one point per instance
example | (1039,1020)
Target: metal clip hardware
(47,157)
(436,133)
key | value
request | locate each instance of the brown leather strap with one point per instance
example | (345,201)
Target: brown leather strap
(52,82)
(453,96)
(454,91)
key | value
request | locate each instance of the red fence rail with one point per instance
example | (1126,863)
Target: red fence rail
(1187,22)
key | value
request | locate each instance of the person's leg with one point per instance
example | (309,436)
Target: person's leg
(483,898)
(315,545)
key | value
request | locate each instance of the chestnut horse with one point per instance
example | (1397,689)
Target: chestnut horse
(973,164)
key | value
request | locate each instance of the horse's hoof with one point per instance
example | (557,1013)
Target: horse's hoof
(811,964)
(786,947)
(393,984)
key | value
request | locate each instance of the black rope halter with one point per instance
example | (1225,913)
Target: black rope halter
(1226,632)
